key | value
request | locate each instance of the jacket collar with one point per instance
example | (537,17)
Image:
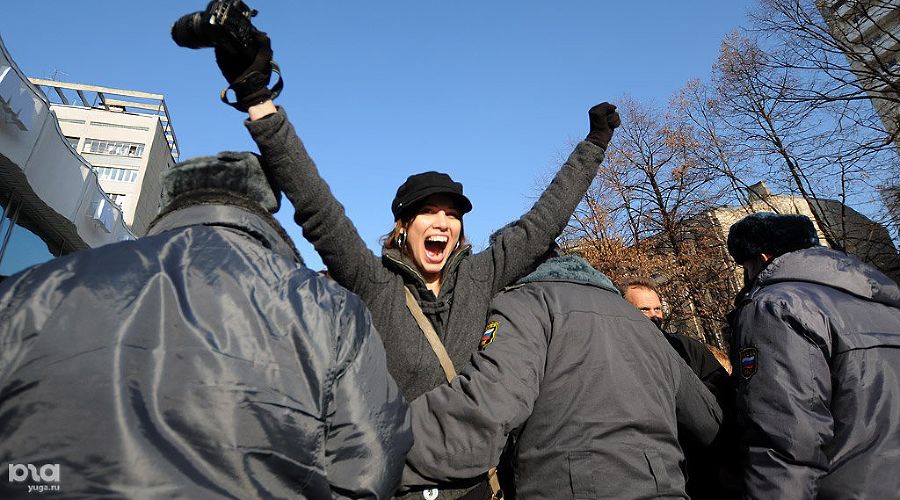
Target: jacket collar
(825,266)
(226,216)
(403,265)
(572,269)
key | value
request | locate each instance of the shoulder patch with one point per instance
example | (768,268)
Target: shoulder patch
(749,362)
(488,336)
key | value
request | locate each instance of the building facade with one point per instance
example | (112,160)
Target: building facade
(868,31)
(126,135)
(858,235)
(855,233)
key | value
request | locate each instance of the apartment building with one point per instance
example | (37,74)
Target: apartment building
(126,135)
(869,33)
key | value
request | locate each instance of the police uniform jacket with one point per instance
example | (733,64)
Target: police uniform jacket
(817,351)
(201,361)
(586,385)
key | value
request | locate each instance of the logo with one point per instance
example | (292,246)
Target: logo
(488,336)
(749,363)
(36,477)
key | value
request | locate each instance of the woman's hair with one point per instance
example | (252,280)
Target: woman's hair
(389,241)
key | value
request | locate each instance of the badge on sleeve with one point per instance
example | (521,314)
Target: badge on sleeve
(749,363)
(488,336)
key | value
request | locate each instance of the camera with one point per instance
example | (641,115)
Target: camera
(224,23)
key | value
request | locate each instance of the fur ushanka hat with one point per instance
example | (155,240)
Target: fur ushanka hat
(770,233)
(236,173)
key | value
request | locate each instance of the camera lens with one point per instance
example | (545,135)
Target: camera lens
(187,31)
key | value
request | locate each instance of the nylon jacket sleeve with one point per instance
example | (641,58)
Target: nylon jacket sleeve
(517,248)
(368,420)
(782,407)
(324,222)
(460,429)
(695,407)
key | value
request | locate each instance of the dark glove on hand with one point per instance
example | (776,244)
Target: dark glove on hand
(248,71)
(604,119)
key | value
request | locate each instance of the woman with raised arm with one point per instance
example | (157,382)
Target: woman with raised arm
(425,254)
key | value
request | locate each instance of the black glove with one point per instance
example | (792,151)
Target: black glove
(248,71)
(604,119)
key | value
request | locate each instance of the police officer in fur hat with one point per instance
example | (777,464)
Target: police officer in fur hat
(203,360)
(817,357)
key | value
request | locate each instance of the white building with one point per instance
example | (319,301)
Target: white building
(126,135)
(869,33)
(50,198)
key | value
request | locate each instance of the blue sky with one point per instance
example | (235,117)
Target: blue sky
(493,93)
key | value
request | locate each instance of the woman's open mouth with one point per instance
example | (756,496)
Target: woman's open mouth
(435,247)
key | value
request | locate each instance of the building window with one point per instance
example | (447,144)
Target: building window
(73,141)
(117,148)
(116,174)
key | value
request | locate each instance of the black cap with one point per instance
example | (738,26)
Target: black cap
(770,233)
(420,186)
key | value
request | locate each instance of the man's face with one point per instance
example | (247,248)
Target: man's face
(647,302)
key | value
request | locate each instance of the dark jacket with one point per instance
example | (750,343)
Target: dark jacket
(470,281)
(817,354)
(200,361)
(589,389)
(699,358)
(711,470)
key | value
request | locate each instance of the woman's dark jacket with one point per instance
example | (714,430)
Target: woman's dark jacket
(469,282)
(201,361)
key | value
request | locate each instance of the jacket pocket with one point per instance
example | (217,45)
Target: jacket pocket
(658,469)
(581,474)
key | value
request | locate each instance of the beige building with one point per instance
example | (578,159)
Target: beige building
(860,236)
(871,30)
(51,203)
(126,135)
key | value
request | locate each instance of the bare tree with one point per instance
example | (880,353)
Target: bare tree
(842,52)
(846,58)
(646,215)
(789,102)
